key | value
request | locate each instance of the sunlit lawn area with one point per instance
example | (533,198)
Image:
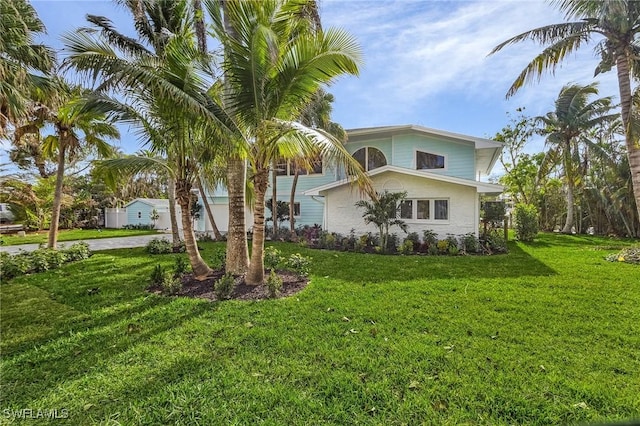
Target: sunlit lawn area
(548,334)
(71,235)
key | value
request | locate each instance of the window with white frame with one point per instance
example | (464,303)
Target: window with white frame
(287,168)
(370,158)
(424,209)
(428,161)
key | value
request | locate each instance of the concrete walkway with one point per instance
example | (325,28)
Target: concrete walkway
(97,244)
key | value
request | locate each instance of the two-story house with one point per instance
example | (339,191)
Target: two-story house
(440,171)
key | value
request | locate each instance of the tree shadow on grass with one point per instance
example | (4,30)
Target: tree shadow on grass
(359,267)
(81,347)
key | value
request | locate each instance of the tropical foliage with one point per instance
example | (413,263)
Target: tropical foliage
(614,25)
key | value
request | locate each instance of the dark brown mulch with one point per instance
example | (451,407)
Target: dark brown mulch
(191,287)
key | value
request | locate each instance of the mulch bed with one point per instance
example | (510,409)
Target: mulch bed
(191,287)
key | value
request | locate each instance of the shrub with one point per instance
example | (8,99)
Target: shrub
(219,258)
(159,246)
(39,260)
(181,267)
(443,246)
(170,283)
(429,237)
(224,286)
(327,240)
(453,240)
(454,250)
(392,243)
(432,249)
(526,218)
(274,284)
(204,237)
(272,258)
(299,264)
(494,242)
(140,226)
(406,247)
(77,251)
(12,266)
(55,258)
(415,240)
(627,255)
(157,275)
(470,243)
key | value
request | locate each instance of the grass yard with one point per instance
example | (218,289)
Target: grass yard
(548,334)
(72,235)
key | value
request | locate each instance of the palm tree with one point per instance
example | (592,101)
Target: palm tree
(166,95)
(24,65)
(617,22)
(317,115)
(76,129)
(566,127)
(272,68)
(383,211)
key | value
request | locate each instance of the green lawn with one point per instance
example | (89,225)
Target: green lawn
(71,235)
(548,334)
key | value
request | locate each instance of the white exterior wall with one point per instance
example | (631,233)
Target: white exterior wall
(342,215)
(221,216)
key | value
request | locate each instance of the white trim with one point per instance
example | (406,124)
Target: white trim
(432,211)
(414,162)
(481,187)
(478,142)
(366,156)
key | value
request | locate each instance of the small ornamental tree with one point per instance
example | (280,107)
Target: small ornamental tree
(383,212)
(526,218)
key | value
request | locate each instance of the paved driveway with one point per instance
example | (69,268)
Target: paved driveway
(99,244)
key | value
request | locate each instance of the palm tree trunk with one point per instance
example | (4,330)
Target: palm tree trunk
(199,267)
(633,148)
(255,276)
(274,200)
(237,251)
(207,207)
(568,167)
(57,196)
(175,232)
(292,200)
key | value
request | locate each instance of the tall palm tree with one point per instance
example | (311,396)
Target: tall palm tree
(24,65)
(316,114)
(569,125)
(76,129)
(617,25)
(166,95)
(272,68)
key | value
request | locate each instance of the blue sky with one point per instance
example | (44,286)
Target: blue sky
(425,62)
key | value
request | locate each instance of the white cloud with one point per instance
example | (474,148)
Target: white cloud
(419,53)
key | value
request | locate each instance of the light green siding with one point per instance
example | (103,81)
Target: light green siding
(144,211)
(459,156)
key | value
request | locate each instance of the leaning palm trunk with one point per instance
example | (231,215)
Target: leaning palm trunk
(200,269)
(175,232)
(237,251)
(633,148)
(57,196)
(292,200)
(207,207)
(255,276)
